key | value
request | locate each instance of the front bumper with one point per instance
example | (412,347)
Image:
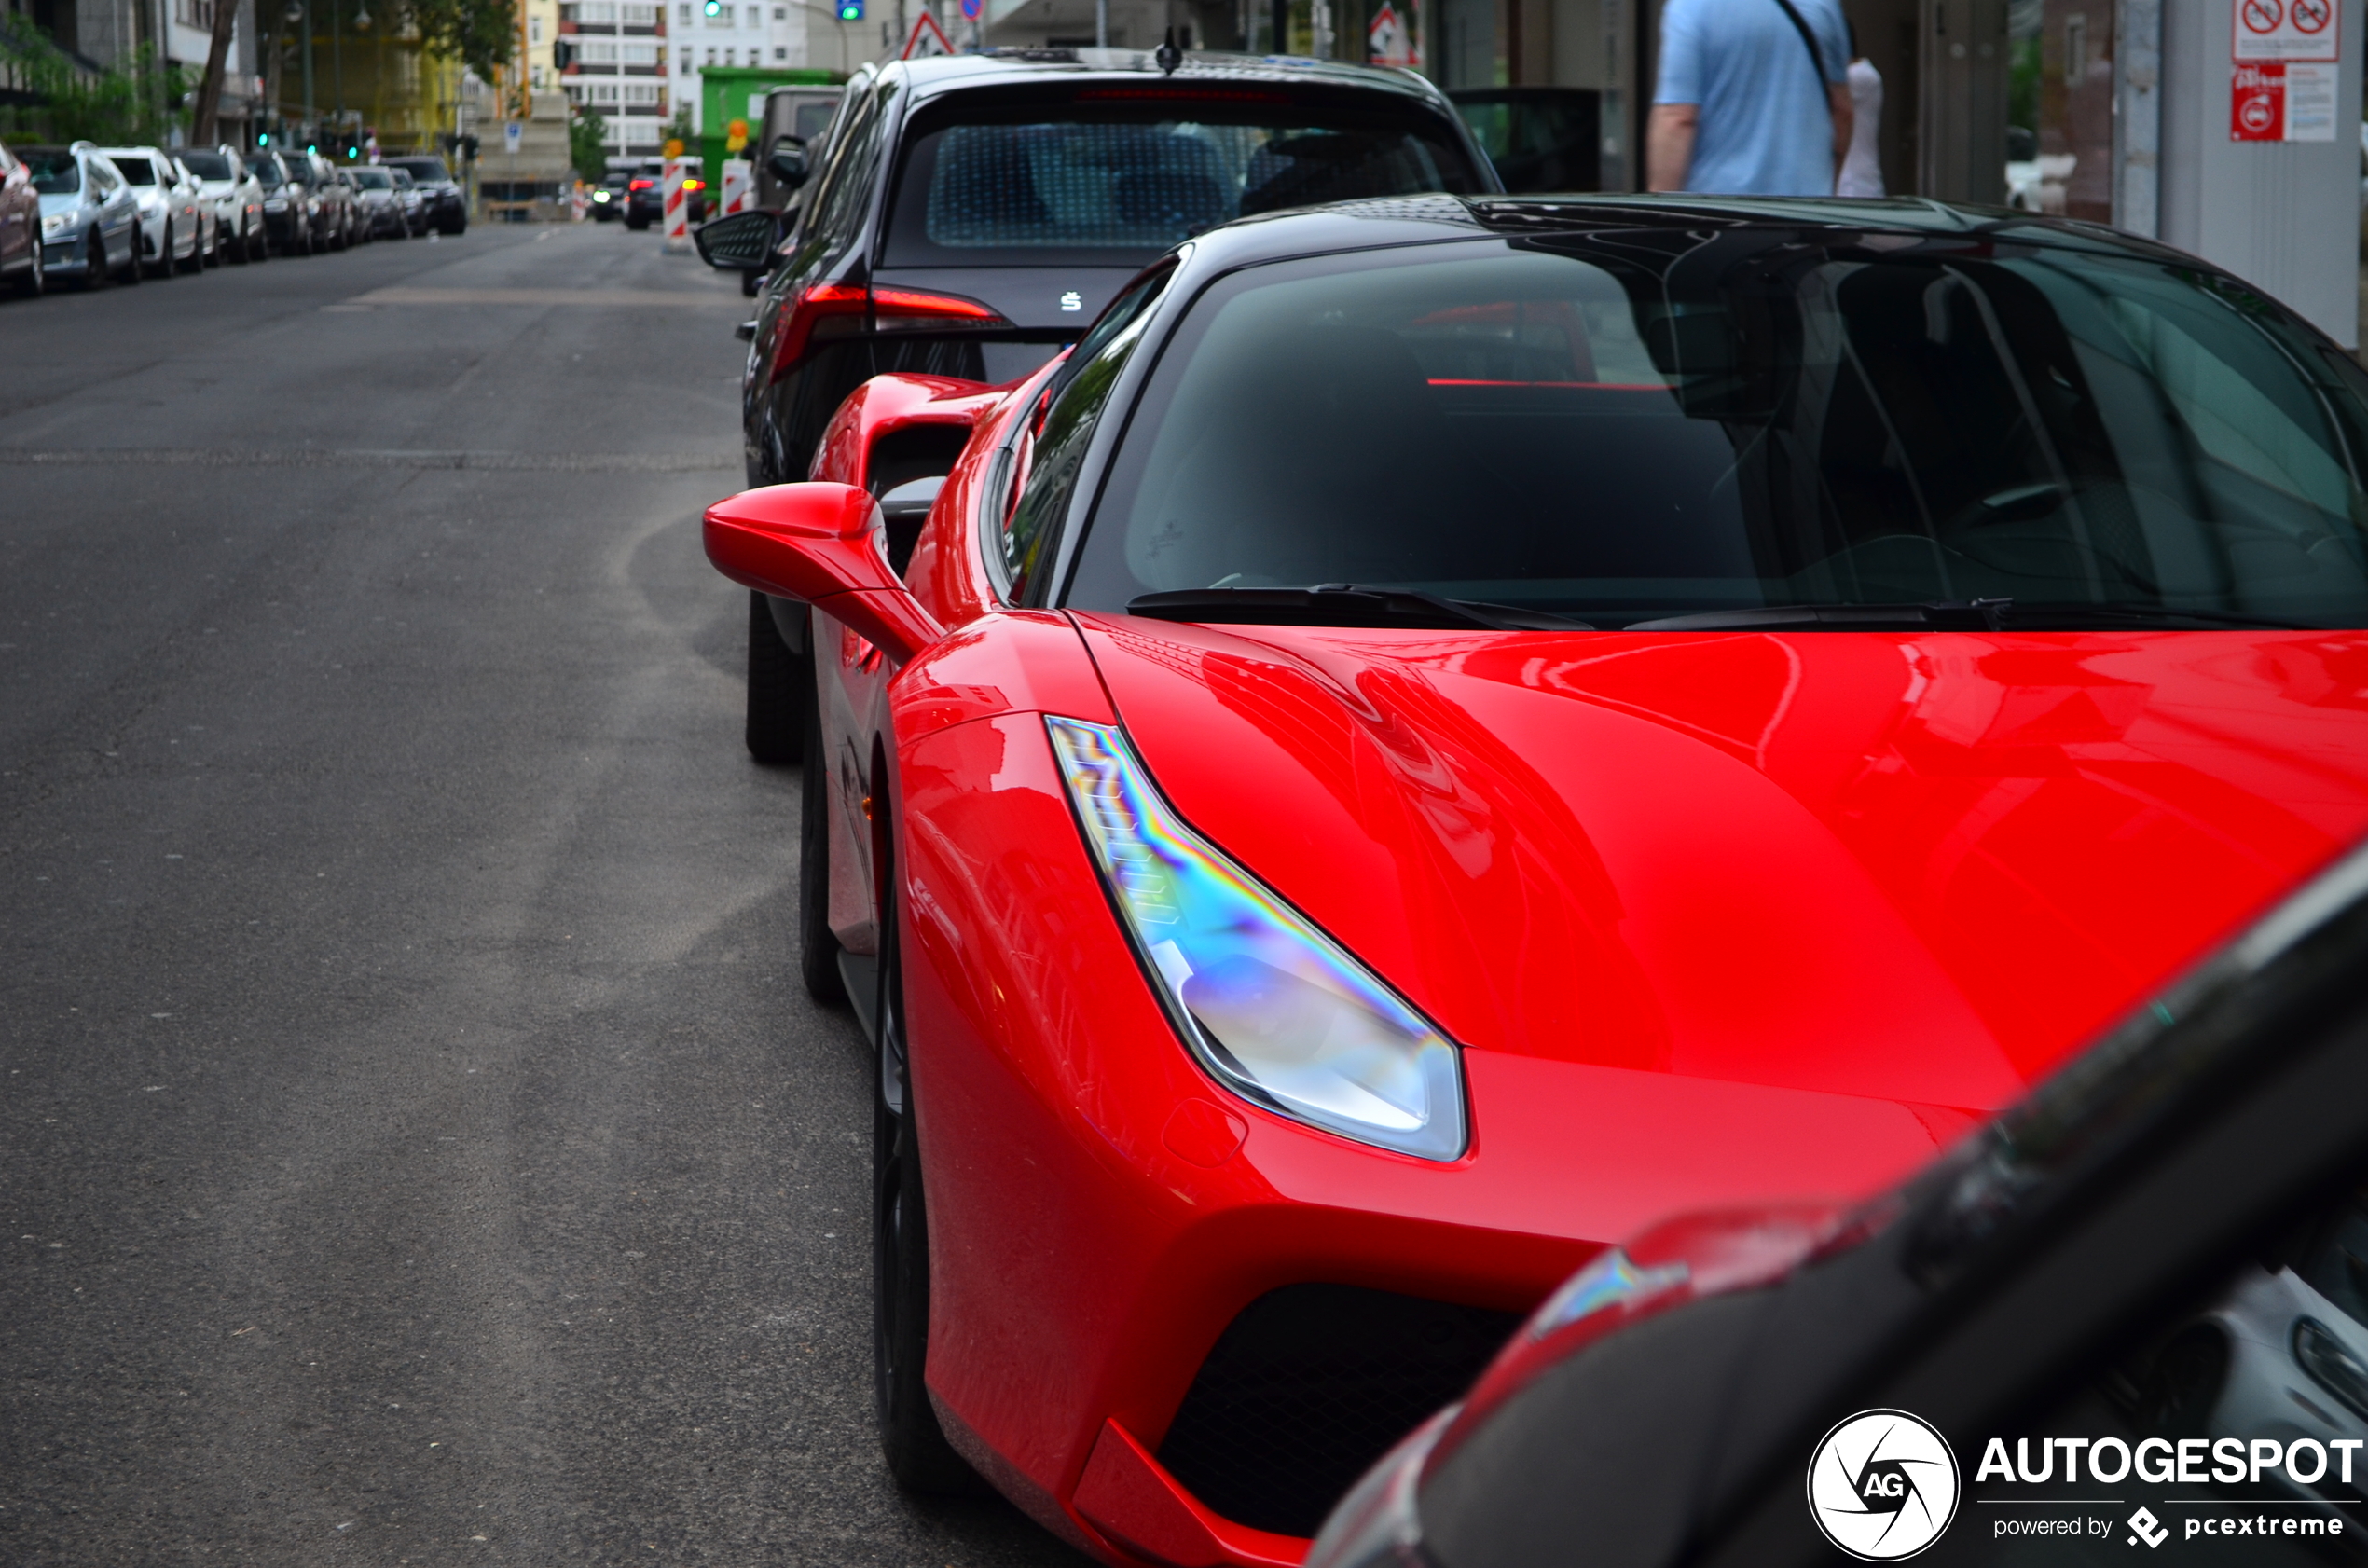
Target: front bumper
(68,255)
(1102,1214)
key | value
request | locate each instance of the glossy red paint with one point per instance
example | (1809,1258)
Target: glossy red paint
(888,405)
(1720,919)
(819,543)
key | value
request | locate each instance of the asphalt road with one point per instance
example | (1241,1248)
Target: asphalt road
(415,1146)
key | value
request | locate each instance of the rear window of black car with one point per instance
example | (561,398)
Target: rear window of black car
(426,171)
(207,166)
(264,171)
(1117,176)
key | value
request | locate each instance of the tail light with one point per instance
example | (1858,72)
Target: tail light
(694,184)
(824,311)
(640,185)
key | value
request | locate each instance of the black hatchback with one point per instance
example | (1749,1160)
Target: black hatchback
(970,215)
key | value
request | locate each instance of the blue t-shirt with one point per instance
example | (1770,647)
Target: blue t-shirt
(1765,129)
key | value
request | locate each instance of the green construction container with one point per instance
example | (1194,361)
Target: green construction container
(724,95)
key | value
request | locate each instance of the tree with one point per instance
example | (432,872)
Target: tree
(678,128)
(209,105)
(481,34)
(586,133)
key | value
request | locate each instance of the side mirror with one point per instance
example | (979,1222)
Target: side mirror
(740,243)
(786,162)
(819,543)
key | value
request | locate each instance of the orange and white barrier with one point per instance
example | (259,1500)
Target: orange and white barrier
(678,209)
(739,185)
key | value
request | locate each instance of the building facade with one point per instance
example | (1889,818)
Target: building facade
(610,57)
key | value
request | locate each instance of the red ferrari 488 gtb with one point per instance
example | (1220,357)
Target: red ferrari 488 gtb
(1447,729)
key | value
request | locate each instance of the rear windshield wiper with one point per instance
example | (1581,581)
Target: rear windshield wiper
(1979,614)
(1342,604)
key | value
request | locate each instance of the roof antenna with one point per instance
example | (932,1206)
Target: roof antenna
(1167,57)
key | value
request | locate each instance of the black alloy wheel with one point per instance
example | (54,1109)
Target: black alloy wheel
(817,947)
(918,1457)
(777,683)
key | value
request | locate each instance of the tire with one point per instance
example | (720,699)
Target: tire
(258,244)
(94,262)
(2176,1400)
(777,685)
(911,1440)
(36,282)
(817,948)
(198,253)
(133,271)
(164,253)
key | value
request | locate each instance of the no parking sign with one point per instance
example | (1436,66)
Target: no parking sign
(2282,70)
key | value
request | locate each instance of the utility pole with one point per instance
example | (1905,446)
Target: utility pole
(336,57)
(302,9)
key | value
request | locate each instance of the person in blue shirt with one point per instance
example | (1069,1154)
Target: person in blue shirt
(1742,109)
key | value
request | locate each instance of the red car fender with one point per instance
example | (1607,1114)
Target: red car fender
(886,405)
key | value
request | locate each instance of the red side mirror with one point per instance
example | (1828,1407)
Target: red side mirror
(819,543)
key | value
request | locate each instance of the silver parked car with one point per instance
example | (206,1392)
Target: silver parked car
(382,204)
(169,223)
(236,197)
(415,204)
(89,219)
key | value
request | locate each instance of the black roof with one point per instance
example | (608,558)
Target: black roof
(1016,67)
(1412,220)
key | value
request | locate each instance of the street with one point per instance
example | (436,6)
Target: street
(417,1145)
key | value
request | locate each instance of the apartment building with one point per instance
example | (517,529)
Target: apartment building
(610,56)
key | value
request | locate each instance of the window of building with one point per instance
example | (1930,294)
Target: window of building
(780,53)
(534,30)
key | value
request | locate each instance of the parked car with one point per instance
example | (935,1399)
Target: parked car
(209,218)
(90,218)
(1539,138)
(1448,728)
(289,219)
(19,224)
(411,204)
(236,197)
(382,206)
(798,115)
(446,204)
(645,193)
(171,231)
(354,223)
(324,210)
(991,258)
(2037,1289)
(608,198)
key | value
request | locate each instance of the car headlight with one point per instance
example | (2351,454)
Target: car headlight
(54,222)
(2332,1364)
(1273,1006)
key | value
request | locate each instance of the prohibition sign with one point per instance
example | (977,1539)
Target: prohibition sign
(2312,16)
(2263,16)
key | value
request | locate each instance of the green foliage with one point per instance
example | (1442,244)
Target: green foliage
(680,125)
(585,151)
(2022,83)
(137,105)
(481,34)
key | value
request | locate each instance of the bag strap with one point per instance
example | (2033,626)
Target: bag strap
(1816,55)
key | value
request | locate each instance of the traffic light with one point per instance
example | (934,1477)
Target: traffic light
(851,10)
(715,8)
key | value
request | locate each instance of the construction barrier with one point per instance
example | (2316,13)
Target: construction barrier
(678,209)
(578,203)
(739,185)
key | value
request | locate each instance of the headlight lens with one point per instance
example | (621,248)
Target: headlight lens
(54,222)
(1273,1006)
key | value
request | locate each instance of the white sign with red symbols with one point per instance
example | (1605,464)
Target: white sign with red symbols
(738,184)
(2281,75)
(927,39)
(1385,41)
(2287,30)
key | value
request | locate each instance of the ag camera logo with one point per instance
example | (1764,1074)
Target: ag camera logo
(1883,1485)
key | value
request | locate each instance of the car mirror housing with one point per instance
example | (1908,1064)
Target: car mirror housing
(820,544)
(787,162)
(738,243)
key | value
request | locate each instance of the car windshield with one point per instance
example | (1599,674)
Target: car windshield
(266,170)
(374,179)
(136,170)
(1117,183)
(400,180)
(207,166)
(54,169)
(424,170)
(1652,424)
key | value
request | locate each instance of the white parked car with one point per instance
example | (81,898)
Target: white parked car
(236,196)
(171,229)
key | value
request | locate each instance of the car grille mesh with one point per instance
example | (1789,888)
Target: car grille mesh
(1309,1386)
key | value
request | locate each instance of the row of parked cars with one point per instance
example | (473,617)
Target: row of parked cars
(83,214)
(1543,879)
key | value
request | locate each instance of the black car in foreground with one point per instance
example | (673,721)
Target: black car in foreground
(968,215)
(2132,1312)
(443,202)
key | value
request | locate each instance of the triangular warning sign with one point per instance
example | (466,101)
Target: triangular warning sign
(926,39)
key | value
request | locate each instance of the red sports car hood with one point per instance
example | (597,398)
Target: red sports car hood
(1916,868)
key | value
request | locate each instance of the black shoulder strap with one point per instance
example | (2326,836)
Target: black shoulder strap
(1808,42)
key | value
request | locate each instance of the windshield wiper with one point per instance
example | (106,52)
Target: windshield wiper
(1342,604)
(1979,614)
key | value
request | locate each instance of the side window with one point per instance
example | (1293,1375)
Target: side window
(1050,457)
(839,200)
(2242,1413)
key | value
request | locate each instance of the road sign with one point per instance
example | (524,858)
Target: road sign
(926,40)
(512,134)
(973,10)
(736,136)
(2286,30)
(1386,39)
